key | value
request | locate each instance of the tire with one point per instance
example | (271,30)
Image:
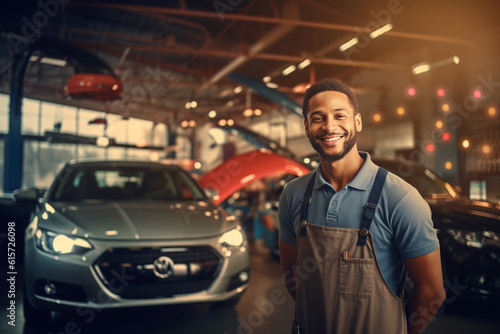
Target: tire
(33,315)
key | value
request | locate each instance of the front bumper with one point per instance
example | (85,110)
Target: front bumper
(130,274)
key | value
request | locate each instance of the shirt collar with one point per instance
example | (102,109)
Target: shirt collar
(361,181)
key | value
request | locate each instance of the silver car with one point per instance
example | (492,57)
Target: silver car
(118,234)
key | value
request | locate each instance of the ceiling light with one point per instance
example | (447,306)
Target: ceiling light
(304,64)
(230,122)
(377,117)
(267,79)
(212,113)
(425,66)
(247,112)
(289,70)
(193,104)
(380,31)
(272,85)
(420,68)
(349,44)
(237,90)
(257,112)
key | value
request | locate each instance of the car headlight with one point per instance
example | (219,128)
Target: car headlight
(233,241)
(56,243)
(232,238)
(476,239)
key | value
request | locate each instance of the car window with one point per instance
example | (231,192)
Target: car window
(125,183)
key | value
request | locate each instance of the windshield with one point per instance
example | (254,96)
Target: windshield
(426,182)
(122,183)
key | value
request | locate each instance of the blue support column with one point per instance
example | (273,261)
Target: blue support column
(14,143)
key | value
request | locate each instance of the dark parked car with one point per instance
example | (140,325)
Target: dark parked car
(468,231)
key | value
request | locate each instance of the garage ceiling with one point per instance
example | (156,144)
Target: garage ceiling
(168,53)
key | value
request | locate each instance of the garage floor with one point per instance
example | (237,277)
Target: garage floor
(265,308)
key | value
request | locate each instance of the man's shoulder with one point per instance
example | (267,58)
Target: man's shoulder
(396,188)
(299,184)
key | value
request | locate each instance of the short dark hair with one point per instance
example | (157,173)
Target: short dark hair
(328,85)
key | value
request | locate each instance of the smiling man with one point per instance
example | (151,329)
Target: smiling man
(351,233)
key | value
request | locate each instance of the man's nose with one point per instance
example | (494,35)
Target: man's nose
(330,123)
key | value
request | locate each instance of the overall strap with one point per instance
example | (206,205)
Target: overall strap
(371,206)
(306,201)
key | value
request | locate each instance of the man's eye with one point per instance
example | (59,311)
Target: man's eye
(316,119)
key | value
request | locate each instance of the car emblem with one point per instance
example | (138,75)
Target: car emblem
(163,267)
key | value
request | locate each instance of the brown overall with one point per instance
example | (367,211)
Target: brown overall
(340,288)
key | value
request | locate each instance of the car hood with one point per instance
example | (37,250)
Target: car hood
(136,220)
(465,214)
(238,171)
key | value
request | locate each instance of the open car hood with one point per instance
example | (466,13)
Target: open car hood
(238,171)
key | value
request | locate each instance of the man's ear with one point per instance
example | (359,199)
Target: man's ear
(306,128)
(358,122)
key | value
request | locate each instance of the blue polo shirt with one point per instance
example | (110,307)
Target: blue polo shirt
(402,226)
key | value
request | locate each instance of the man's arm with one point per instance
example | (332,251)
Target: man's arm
(428,292)
(287,259)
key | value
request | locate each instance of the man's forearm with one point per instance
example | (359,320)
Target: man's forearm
(422,306)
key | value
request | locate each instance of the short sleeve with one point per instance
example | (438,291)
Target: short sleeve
(287,233)
(413,227)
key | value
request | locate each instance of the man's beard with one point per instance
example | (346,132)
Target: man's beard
(349,143)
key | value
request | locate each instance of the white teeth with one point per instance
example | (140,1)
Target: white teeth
(332,138)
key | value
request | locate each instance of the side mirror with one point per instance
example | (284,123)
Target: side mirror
(28,195)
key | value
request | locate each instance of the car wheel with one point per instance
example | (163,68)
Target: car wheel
(33,315)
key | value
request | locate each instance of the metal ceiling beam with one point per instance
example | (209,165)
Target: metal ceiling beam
(271,20)
(291,10)
(246,56)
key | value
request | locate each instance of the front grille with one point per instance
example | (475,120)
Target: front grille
(145,273)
